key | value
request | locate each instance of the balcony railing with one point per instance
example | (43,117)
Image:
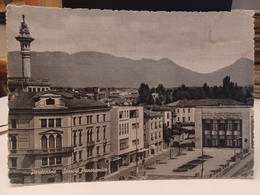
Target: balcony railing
(51,150)
(90,144)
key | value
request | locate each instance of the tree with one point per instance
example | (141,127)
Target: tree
(144,93)
(162,92)
(206,90)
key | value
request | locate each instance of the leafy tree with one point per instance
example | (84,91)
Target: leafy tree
(144,93)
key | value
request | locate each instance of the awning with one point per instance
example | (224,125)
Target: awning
(143,150)
(115,158)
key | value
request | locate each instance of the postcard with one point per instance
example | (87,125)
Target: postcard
(101,95)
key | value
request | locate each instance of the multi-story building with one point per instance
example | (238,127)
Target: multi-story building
(185,109)
(58,132)
(224,127)
(167,114)
(127,141)
(153,131)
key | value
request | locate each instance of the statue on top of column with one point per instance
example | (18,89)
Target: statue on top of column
(24,29)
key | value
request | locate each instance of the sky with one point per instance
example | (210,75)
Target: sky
(202,42)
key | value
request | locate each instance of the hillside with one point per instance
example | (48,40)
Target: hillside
(104,70)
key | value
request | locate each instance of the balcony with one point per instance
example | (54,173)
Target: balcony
(51,150)
(90,144)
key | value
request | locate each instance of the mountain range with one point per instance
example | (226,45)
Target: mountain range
(89,69)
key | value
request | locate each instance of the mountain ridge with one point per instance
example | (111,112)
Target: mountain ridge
(92,68)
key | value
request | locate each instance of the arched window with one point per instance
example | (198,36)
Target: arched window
(58,141)
(50,101)
(14,143)
(44,142)
(51,141)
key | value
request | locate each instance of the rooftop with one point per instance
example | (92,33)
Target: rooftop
(204,102)
(27,100)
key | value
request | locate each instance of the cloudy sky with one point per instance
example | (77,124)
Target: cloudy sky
(202,42)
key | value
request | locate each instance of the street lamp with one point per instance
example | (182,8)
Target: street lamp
(202,160)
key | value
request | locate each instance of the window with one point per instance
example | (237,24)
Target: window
(97,118)
(183,119)
(104,148)
(189,119)
(183,110)
(44,161)
(135,125)
(51,141)
(74,138)
(168,115)
(74,121)
(44,142)
(74,156)
(89,152)
(51,160)
(134,113)
(50,101)
(134,142)
(178,110)
(51,122)
(13,142)
(80,138)
(121,114)
(58,141)
(104,133)
(97,150)
(30,89)
(58,122)
(43,123)
(14,162)
(88,135)
(178,119)
(97,133)
(168,124)
(39,89)
(215,125)
(104,117)
(230,125)
(89,119)
(188,110)
(43,89)
(58,160)
(80,155)
(124,143)
(80,120)
(13,121)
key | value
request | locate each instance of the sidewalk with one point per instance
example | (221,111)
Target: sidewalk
(126,170)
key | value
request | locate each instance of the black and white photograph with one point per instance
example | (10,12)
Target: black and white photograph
(101,95)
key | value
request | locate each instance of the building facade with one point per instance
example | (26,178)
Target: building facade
(224,127)
(56,137)
(127,141)
(153,131)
